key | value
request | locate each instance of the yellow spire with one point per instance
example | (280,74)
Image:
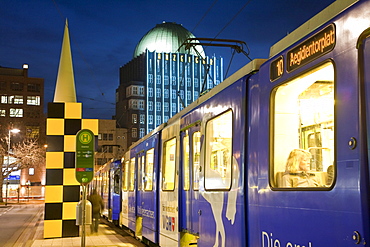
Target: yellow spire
(65,87)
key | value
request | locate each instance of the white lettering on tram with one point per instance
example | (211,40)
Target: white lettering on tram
(269,241)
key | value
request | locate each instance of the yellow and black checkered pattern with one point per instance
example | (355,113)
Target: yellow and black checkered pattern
(62,190)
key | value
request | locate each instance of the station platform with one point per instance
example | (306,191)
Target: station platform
(31,234)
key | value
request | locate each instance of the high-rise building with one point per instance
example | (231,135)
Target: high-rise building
(162,79)
(21,107)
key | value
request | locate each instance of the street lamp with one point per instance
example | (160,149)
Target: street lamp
(7,165)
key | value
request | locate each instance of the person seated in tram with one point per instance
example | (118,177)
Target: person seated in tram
(297,170)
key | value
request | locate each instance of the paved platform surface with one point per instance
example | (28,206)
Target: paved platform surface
(33,230)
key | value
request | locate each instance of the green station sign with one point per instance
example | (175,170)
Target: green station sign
(85,147)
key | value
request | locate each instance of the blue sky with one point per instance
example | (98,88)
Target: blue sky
(104,35)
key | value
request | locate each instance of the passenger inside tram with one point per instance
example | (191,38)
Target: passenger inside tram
(297,170)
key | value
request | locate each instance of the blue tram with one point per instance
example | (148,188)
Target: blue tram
(276,155)
(107,182)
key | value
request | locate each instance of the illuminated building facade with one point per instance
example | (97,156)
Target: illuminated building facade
(162,79)
(21,107)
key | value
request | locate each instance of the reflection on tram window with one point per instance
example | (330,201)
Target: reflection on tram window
(149,167)
(186,158)
(131,185)
(125,175)
(169,164)
(218,152)
(303,130)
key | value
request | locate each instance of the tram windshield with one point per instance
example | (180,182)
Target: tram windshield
(303,131)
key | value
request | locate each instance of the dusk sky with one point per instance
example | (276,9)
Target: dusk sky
(104,35)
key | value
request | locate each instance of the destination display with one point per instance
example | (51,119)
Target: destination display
(311,49)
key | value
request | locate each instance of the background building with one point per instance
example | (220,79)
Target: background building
(111,142)
(162,79)
(21,107)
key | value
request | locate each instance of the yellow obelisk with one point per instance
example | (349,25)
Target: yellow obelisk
(65,87)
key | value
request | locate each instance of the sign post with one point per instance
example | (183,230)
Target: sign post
(84,167)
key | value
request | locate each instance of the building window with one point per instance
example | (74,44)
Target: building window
(33,100)
(159,120)
(142,119)
(134,118)
(16,86)
(150,119)
(158,92)
(107,136)
(16,99)
(141,104)
(158,79)
(188,82)
(174,94)
(134,132)
(166,80)
(142,132)
(4,99)
(158,106)
(150,78)
(32,87)
(16,112)
(150,105)
(174,108)
(2,113)
(133,104)
(166,107)
(150,92)
(182,94)
(166,118)
(141,91)
(166,94)
(174,80)
(134,90)
(188,95)
(31,171)
(196,82)
(196,95)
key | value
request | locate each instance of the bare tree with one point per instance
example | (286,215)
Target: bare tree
(26,154)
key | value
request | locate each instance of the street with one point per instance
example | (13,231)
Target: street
(15,219)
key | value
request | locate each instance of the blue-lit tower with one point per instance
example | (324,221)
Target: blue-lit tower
(161,79)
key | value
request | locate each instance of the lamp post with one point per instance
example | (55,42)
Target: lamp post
(7,165)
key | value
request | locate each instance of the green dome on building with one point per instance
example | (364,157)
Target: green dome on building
(166,37)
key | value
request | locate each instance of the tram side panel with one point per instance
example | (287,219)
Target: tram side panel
(297,118)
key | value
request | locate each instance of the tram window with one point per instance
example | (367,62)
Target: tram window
(196,159)
(169,164)
(140,172)
(116,181)
(149,166)
(186,160)
(131,185)
(218,148)
(303,130)
(125,176)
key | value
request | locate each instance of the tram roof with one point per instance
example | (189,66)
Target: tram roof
(322,17)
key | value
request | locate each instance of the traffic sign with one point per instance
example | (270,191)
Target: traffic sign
(85,147)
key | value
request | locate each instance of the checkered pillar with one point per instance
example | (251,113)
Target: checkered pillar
(62,191)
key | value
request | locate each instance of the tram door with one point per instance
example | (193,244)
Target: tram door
(190,169)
